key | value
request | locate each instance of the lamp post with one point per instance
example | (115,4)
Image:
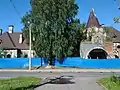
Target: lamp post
(30,58)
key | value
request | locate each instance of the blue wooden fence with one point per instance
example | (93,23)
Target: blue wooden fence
(67,62)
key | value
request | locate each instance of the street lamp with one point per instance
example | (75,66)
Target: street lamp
(30,58)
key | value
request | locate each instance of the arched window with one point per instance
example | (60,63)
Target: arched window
(8,56)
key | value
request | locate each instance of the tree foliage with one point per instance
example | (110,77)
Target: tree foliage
(1,53)
(117,18)
(54,27)
(80,36)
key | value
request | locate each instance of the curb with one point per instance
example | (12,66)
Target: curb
(63,70)
(103,87)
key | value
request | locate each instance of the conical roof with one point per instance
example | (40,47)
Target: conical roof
(92,20)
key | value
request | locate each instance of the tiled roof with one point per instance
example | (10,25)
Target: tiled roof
(11,41)
(114,34)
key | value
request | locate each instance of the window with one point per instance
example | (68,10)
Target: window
(0,41)
(8,56)
(25,56)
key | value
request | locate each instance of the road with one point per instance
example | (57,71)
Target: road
(63,81)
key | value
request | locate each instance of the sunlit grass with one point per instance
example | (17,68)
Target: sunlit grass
(111,83)
(19,83)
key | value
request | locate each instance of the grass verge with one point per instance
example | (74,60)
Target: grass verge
(19,83)
(110,83)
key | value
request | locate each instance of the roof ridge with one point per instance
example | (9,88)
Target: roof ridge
(11,39)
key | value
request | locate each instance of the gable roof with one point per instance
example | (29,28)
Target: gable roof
(114,34)
(92,20)
(11,41)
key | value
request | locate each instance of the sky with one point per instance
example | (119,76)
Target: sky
(105,11)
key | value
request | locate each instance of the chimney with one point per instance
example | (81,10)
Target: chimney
(20,39)
(10,28)
(1,31)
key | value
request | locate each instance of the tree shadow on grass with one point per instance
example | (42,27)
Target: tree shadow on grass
(49,80)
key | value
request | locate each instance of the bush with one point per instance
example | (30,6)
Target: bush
(113,78)
(111,83)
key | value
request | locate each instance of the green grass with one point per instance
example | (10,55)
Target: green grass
(111,83)
(19,83)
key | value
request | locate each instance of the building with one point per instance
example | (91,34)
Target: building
(116,42)
(96,45)
(14,44)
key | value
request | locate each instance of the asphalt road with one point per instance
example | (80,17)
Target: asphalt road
(54,74)
(63,81)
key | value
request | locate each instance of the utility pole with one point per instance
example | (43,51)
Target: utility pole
(30,58)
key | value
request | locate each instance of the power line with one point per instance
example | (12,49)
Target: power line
(15,8)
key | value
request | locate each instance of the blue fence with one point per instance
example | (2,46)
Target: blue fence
(67,62)
(21,62)
(89,63)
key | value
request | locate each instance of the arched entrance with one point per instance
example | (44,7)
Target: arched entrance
(97,53)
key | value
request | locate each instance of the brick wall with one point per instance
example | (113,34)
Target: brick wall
(109,48)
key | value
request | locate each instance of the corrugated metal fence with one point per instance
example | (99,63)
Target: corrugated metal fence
(90,63)
(67,62)
(21,62)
